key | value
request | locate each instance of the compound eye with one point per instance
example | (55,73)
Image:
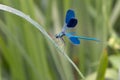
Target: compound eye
(56,36)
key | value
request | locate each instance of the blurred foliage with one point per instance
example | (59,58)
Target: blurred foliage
(26,55)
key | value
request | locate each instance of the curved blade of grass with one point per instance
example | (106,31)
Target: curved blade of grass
(20,48)
(102,66)
(26,17)
(0,69)
(115,13)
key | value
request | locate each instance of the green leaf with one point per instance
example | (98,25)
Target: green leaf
(102,66)
(115,60)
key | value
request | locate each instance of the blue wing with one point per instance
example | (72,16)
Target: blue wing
(74,40)
(70,14)
(72,23)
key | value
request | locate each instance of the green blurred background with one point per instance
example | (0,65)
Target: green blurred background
(25,54)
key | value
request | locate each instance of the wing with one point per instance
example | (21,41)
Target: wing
(70,14)
(72,23)
(74,40)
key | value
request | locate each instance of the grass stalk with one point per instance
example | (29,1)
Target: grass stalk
(26,17)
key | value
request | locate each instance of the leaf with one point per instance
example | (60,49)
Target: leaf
(115,60)
(102,66)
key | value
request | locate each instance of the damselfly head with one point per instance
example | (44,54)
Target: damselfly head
(57,36)
(60,35)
